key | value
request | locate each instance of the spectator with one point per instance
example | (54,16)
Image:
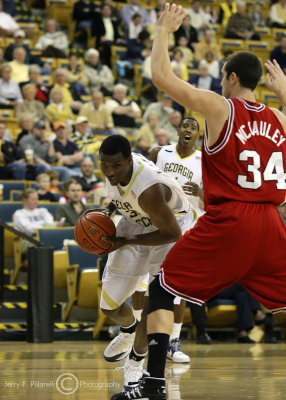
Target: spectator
(133,7)
(10,157)
(30,106)
(67,152)
(163,108)
(151,28)
(35,78)
(124,111)
(54,42)
(135,26)
(137,49)
(82,135)
(207,44)
(57,110)
(161,138)
(149,128)
(26,123)
(199,319)
(74,71)
(19,41)
(54,181)
(282,211)
(187,30)
(226,9)
(143,145)
(172,126)
(210,14)
(279,53)
(43,151)
(178,64)
(71,93)
(72,210)
(204,80)
(98,115)
(257,17)
(278,14)
(7,23)
(10,93)
(43,182)
(99,76)
(93,187)
(198,17)
(240,25)
(188,57)
(19,70)
(83,14)
(213,65)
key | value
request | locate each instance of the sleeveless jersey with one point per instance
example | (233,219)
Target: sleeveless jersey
(145,174)
(183,169)
(248,162)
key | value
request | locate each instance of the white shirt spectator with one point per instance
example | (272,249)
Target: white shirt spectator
(109,31)
(10,90)
(112,104)
(56,39)
(197,18)
(28,221)
(7,22)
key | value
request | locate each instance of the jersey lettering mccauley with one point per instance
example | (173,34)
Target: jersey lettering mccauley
(183,169)
(248,162)
(145,174)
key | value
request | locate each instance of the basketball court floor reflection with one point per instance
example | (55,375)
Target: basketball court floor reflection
(77,371)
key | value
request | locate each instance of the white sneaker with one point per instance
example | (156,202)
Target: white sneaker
(175,353)
(119,347)
(133,371)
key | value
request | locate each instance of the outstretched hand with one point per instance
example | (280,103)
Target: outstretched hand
(275,78)
(172,17)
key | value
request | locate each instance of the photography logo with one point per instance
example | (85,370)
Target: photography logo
(67,383)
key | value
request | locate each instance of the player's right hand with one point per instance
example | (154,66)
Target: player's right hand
(172,17)
(191,188)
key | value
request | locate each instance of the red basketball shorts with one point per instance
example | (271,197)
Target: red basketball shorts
(232,242)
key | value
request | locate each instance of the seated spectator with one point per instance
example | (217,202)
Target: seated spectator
(135,26)
(163,108)
(35,78)
(188,57)
(67,152)
(74,71)
(282,211)
(93,187)
(133,7)
(257,17)
(26,123)
(82,136)
(213,65)
(178,64)
(138,49)
(19,70)
(57,110)
(43,151)
(210,14)
(143,145)
(207,44)
(204,80)
(19,36)
(99,76)
(72,210)
(54,181)
(53,43)
(187,30)
(30,106)
(246,306)
(149,128)
(279,53)
(226,9)
(277,14)
(161,138)
(7,23)
(199,319)
(11,158)
(124,111)
(43,182)
(173,125)
(71,92)
(83,14)
(10,93)
(198,17)
(98,115)
(240,25)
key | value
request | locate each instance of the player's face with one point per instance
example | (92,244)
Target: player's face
(225,84)
(116,168)
(188,133)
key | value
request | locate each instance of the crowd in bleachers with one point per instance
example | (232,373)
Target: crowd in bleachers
(73,72)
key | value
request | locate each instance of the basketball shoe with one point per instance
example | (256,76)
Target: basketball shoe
(119,347)
(175,353)
(133,372)
(148,388)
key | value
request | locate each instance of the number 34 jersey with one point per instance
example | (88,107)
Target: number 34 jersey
(248,162)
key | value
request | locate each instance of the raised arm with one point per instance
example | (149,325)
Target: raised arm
(276,81)
(209,104)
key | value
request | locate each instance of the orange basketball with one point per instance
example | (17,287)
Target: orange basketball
(89,230)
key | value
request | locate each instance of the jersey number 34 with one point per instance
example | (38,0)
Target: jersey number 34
(274,170)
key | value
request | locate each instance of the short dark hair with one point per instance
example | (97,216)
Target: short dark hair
(115,144)
(192,119)
(247,67)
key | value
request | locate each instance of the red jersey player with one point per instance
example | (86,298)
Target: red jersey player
(241,237)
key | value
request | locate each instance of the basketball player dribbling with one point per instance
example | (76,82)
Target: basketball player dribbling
(241,237)
(155,211)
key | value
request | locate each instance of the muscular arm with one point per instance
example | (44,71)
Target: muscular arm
(276,81)
(209,104)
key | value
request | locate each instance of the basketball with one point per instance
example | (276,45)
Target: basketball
(90,229)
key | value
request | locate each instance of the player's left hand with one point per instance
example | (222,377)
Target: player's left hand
(172,17)
(117,242)
(275,77)
(191,188)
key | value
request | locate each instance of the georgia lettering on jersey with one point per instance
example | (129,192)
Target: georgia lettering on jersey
(255,149)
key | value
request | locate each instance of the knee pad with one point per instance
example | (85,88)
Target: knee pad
(159,298)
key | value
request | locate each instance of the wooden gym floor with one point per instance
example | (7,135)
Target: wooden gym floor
(77,370)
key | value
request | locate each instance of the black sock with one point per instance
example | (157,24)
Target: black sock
(158,347)
(131,328)
(136,357)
